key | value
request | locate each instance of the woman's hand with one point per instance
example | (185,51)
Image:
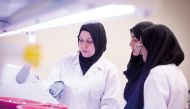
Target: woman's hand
(56,89)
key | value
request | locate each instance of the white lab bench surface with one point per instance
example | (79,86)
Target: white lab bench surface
(31,91)
(30,88)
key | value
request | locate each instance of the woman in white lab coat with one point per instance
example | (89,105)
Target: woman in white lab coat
(160,84)
(135,63)
(86,80)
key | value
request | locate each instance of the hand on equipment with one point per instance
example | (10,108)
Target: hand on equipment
(56,89)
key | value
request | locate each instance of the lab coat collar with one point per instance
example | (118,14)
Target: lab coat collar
(99,64)
(76,59)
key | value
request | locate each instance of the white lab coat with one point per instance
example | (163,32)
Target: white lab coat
(98,89)
(165,88)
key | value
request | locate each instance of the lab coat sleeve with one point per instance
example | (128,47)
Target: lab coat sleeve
(156,91)
(53,76)
(110,99)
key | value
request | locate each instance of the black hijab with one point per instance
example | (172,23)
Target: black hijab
(98,34)
(136,61)
(139,27)
(163,48)
(135,64)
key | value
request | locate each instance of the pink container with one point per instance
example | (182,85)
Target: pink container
(11,102)
(34,107)
(44,106)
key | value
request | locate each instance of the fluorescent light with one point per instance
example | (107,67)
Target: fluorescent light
(94,14)
(11,33)
(89,15)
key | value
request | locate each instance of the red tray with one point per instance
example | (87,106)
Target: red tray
(11,102)
(44,106)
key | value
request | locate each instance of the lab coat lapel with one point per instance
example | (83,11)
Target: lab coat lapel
(95,68)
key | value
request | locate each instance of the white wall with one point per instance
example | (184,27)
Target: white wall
(60,41)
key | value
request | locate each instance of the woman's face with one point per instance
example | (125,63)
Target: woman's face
(135,45)
(86,44)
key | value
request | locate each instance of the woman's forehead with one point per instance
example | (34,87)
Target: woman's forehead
(84,33)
